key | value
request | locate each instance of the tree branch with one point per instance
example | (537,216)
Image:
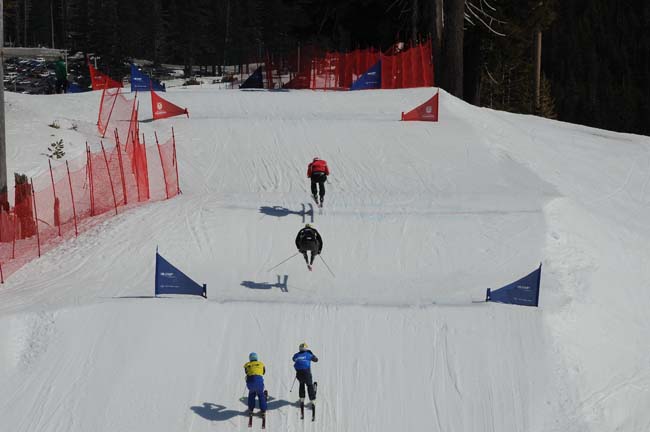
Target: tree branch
(472,9)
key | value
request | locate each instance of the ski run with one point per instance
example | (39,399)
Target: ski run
(419,220)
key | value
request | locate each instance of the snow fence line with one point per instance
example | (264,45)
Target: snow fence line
(71,197)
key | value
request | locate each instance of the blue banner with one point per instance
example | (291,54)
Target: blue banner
(170,280)
(141,81)
(75,88)
(369,80)
(254,81)
(524,292)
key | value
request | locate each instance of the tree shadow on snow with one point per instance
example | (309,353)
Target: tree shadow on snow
(214,412)
(282,284)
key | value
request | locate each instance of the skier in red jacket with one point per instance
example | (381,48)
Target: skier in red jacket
(318,171)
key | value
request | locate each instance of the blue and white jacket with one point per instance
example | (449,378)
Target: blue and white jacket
(302,360)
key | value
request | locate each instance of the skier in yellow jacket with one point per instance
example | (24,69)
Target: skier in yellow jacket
(255,371)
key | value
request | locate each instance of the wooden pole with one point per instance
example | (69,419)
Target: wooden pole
(538,70)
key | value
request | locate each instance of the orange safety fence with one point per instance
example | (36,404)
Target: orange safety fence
(116,112)
(73,196)
(409,68)
(337,71)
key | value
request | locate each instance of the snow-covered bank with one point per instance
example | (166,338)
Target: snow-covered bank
(419,219)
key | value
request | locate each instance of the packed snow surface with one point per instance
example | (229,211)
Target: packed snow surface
(419,219)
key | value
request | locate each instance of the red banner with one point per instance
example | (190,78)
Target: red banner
(161,108)
(428,111)
(101,81)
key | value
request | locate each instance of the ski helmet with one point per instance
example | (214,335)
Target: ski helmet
(307,225)
(252,356)
(303,346)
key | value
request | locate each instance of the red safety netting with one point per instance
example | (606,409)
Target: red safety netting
(337,71)
(409,68)
(355,64)
(268,72)
(116,112)
(72,196)
(301,64)
(169,165)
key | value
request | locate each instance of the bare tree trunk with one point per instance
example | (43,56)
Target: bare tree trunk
(52,21)
(227,37)
(472,66)
(437,38)
(452,55)
(415,10)
(538,69)
(157,32)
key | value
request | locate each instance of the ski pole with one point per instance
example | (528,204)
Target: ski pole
(283,261)
(328,267)
(294,383)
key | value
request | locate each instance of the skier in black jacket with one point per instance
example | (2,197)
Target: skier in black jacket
(308,239)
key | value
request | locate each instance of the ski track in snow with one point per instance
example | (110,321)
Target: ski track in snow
(419,220)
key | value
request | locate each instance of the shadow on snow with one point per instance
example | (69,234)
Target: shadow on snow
(282,284)
(214,412)
(279,211)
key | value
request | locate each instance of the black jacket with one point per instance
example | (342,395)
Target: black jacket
(308,239)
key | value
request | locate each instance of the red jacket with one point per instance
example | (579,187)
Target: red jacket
(318,166)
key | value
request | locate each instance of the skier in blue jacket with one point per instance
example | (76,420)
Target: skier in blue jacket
(302,363)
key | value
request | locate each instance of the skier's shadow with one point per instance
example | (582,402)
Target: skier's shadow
(272,403)
(214,412)
(282,284)
(279,211)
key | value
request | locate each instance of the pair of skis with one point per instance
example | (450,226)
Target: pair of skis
(313,407)
(250,419)
(261,413)
(302,411)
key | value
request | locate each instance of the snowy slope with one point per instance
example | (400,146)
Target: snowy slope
(419,220)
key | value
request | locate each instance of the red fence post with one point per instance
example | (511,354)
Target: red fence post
(146,165)
(101,103)
(13,247)
(393,71)
(89,170)
(162,165)
(119,158)
(57,212)
(175,163)
(423,65)
(111,112)
(74,210)
(110,178)
(134,163)
(38,237)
